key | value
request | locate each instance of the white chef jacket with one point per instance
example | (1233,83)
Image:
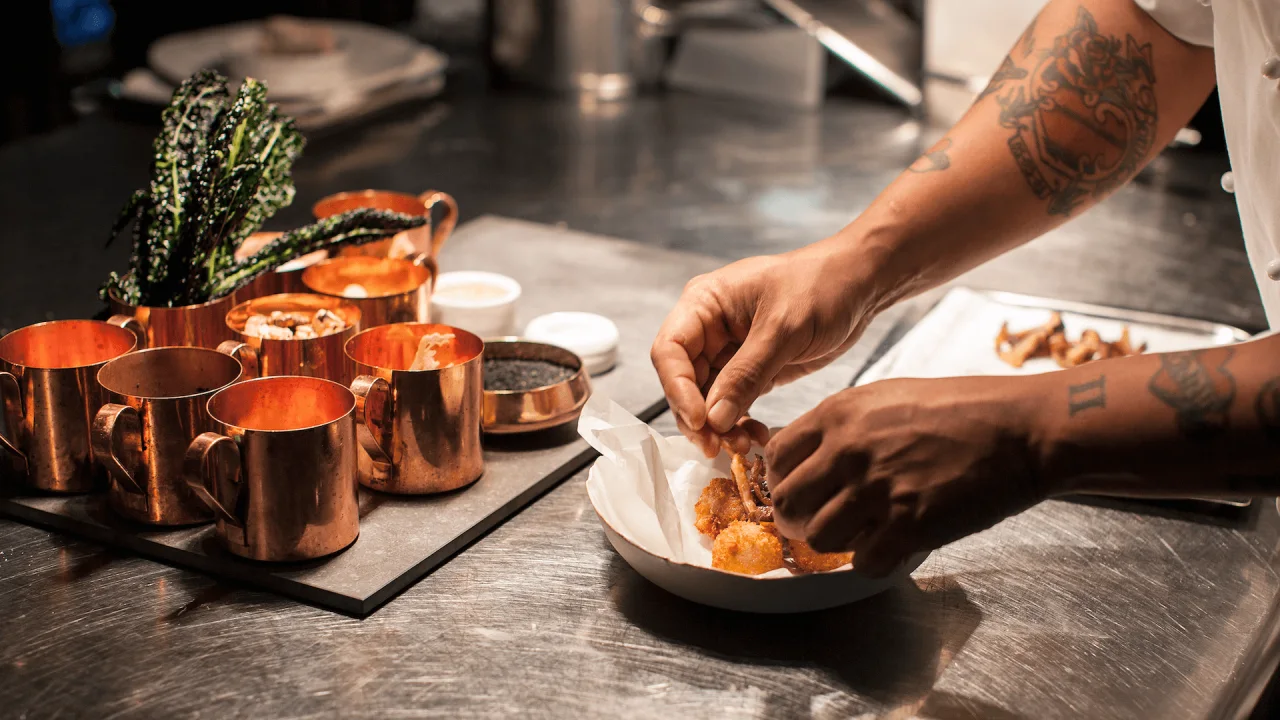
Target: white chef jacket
(1245,35)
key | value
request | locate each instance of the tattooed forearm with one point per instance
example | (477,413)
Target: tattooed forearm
(934,159)
(1082,111)
(1092,394)
(1199,389)
(1267,406)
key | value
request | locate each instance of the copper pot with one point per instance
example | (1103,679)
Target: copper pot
(280,472)
(285,279)
(49,393)
(420,430)
(203,325)
(158,405)
(321,357)
(398,290)
(427,239)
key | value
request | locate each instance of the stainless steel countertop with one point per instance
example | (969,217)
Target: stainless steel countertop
(1068,610)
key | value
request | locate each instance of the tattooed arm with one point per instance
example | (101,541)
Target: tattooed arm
(1090,93)
(1195,423)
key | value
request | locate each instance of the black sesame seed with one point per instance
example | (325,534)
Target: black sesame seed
(515,375)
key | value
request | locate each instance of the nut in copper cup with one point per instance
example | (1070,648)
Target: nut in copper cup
(426,239)
(157,405)
(48,394)
(203,325)
(397,290)
(280,471)
(419,429)
(321,357)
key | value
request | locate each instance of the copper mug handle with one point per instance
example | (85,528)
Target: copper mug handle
(115,428)
(373,406)
(211,469)
(244,354)
(442,231)
(133,325)
(9,384)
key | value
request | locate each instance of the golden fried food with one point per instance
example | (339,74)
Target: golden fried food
(810,560)
(1050,340)
(717,506)
(748,548)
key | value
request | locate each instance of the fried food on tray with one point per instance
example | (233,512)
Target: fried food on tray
(747,547)
(718,506)
(1050,340)
(810,560)
(1017,348)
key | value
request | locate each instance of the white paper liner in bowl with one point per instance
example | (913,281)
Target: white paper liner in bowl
(644,487)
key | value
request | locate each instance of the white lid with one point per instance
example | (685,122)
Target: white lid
(586,334)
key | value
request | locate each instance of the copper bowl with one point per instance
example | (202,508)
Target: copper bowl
(519,411)
(425,239)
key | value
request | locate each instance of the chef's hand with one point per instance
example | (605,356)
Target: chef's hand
(900,466)
(760,322)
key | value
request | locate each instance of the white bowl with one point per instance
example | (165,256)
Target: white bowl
(734,591)
(490,313)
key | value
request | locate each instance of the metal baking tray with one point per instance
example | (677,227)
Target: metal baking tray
(1219,332)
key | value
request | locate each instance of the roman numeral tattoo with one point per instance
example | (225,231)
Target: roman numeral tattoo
(1199,391)
(1092,394)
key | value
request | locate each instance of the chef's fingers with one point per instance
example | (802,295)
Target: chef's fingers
(844,519)
(790,446)
(701,371)
(704,438)
(678,343)
(805,490)
(737,441)
(882,550)
(746,375)
(757,431)
(723,357)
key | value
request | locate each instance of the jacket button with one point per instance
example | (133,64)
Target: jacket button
(1271,68)
(1273,270)
(1228,182)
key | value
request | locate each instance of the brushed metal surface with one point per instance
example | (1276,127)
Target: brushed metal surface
(1066,611)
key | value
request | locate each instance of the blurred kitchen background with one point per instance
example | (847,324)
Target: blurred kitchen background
(71,58)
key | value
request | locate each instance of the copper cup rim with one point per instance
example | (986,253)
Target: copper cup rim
(349,310)
(142,355)
(312,270)
(37,327)
(319,214)
(579,368)
(198,306)
(248,385)
(477,358)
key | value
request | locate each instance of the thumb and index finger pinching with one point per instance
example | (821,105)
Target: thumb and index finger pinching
(742,380)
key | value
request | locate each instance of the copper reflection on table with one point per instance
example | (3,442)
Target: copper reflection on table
(419,429)
(398,290)
(280,473)
(157,406)
(49,394)
(321,357)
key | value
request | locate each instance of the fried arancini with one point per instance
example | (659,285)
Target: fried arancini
(717,506)
(748,548)
(810,560)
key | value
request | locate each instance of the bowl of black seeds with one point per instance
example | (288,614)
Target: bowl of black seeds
(531,386)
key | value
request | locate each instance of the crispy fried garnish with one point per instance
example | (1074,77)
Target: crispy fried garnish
(1050,340)
(748,548)
(810,560)
(718,506)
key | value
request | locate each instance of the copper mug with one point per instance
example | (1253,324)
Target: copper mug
(285,279)
(321,357)
(203,325)
(280,472)
(419,429)
(426,239)
(399,290)
(49,393)
(158,405)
